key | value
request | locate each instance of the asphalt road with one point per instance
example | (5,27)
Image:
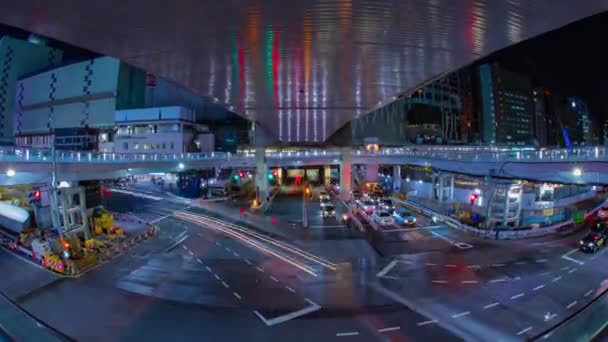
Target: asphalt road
(235,278)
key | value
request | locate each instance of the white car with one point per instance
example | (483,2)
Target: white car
(603,212)
(367,206)
(324,195)
(326,202)
(383,218)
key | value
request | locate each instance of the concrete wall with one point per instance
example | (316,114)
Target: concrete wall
(80,94)
(19,58)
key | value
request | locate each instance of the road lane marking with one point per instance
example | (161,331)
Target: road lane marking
(217,277)
(538,287)
(588,293)
(461,314)
(260,269)
(287,317)
(521,332)
(184,247)
(572,270)
(236,254)
(217,243)
(248,262)
(556,279)
(541,260)
(520,263)
(498,265)
(225,285)
(199,260)
(350,333)
(190,252)
(489,306)
(388,329)
(387,268)
(426,322)
(519,295)
(461,245)
(274,279)
(500,280)
(545,273)
(228,249)
(290,289)
(439,281)
(565,268)
(550,316)
(430,264)
(208,268)
(567,257)
(450,265)
(474,266)
(469,282)
(571,304)
(237,295)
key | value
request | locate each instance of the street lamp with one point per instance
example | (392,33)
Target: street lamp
(10,173)
(181,166)
(577,172)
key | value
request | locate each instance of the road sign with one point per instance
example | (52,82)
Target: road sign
(578,217)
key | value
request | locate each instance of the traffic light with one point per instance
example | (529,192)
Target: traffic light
(241,174)
(270,176)
(473,198)
(275,173)
(65,246)
(236,177)
(307,191)
(35,197)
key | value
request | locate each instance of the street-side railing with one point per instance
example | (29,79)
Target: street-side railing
(452,153)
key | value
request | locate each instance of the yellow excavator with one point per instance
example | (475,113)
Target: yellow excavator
(103,223)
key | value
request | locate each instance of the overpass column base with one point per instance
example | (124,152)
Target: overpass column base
(345,174)
(261,175)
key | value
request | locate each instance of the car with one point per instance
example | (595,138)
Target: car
(592,242)
(325,202)
(368,206)
(357,195)
(328,211)
(600,228)
(324,195)
(383,218)
(387,204)
(603,212)
(403,216)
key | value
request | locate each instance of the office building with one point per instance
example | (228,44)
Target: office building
(19,58)
(506,111)
(580,108)
(82,101)
(159,130)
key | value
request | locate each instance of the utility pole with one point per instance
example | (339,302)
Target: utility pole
(306,195)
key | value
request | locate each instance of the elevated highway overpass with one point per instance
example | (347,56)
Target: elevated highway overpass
(23,166)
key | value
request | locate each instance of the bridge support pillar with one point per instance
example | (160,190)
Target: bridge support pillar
(261,175)
(444,186)
(371,173)
(396,178)
(345,174)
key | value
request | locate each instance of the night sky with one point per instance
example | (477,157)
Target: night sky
(570,61)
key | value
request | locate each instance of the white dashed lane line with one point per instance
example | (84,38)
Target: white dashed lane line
(588,293)
(237,295)
(439,281)
(497,280)
(350,333)
(469,282)
(521,332)
(538,287)
(199,260)
(248,262)
(520,263)
(571,304)
(572,270)
(556,279)
(519,295)
(208,268)
(474,266)
(184,247)
(489,306)
(225,285)
(426,322)
(458,315)
(217,277)
(290,289)
(260,269)
(430,264)
(274,279)
(389,329)
(498,265)
(450,265)
(541,260)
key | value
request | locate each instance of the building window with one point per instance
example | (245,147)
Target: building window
(164,146)
(136,146)
(125,146)
(172,146)
(146,146)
